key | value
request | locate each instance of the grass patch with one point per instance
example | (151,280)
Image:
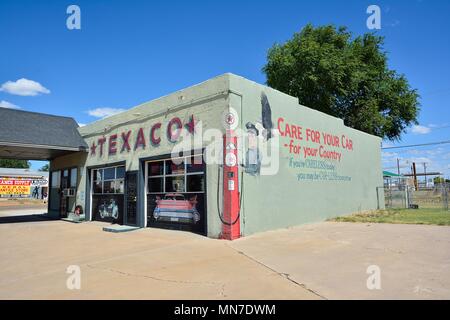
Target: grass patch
(438,217)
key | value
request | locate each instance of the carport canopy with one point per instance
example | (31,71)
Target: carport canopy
(36,136)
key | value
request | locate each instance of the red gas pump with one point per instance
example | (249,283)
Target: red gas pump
(231,212)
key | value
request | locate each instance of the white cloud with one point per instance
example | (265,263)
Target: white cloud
(421,160)
(430,152)
(104,112)
(24,87)
(420,130)
(389,156)
(8,105)
(81,124)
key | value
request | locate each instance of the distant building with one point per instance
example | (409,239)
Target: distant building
(23,183)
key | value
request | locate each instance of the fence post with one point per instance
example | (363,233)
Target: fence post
(445,190)
(406,197)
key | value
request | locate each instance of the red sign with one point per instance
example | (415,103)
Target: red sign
(325,145)
(12,182)
(125,140)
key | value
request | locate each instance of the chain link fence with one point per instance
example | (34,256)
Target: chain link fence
(404,196)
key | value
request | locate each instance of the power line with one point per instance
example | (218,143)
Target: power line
(418,145)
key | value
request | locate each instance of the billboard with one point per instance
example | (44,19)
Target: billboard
(14,187)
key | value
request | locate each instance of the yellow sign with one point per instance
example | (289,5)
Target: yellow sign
(14,190)
(16,187)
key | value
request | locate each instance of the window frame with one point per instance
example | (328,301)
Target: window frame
(73,184)
(115,180)
(164,175)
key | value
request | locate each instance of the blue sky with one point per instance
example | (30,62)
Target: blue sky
(129,52)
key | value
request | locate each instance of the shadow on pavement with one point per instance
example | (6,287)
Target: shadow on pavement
(26,218)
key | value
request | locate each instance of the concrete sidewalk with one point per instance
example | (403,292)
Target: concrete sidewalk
(332,259)
(326,260)
(144,264)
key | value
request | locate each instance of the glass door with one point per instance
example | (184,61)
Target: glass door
(64,198)
(55,191)
(131,198)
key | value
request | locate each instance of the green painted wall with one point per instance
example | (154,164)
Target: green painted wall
(293,196)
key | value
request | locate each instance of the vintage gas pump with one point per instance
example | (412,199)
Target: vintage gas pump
(231,211)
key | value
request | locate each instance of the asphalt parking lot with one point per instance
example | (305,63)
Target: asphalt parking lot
(319,261)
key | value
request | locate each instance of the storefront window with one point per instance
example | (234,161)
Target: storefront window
(109,180)
(108,186)
(156,185)
(175,184)
(181,175)
(98,175)
(195,183)
(97,188)
(120,186)
(156,168)
(73,177)
(65,179)
(194,164)
(56,179)
(175,167)
(120,172)
(109,174)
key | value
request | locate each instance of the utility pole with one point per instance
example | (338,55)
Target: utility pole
(398,171)
(416,185)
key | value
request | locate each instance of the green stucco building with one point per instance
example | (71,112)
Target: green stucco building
(160,164)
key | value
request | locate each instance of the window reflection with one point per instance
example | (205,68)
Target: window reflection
(109,180)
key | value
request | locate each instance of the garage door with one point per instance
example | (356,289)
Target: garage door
(108,186)
(176,193)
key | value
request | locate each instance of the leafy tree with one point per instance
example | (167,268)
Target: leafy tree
(346,77)
(44,168)
(440,180)
(12,163)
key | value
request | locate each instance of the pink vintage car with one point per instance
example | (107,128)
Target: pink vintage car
(175,208)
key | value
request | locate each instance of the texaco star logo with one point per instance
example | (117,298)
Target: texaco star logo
(230,119)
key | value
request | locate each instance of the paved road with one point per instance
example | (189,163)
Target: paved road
(332,259)
(7,209)
(320,261)
(144,264)
(23,213)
